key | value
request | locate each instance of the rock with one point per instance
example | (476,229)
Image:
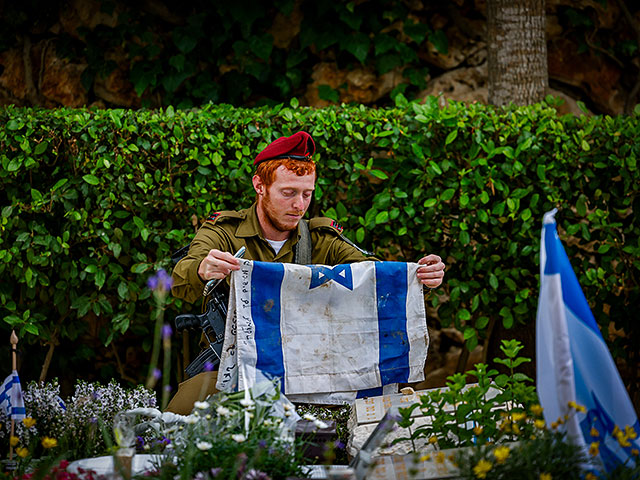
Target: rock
(466,84)
(87,14)
(61,81)
(460,48)
(286,28)
(12,83)
(359,85)
(597,76)
(116,88)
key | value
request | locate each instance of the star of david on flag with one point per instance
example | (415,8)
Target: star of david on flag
(341,274)
(573,362)
(330,333)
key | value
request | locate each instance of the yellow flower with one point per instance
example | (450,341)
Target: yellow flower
(624,441)
(49,442)
(554,425)
(572,404)
(594,448)
(590,476)
(501,453)
(536,410)
(616,431)
(635,452)
(516,429)
(433,439)
(477,430)
(22,452)
(545,476)
(539,424)
(482,468)
(440,457)
(630,432)
(13,440)
(594,432)
(581,409)
(425,458)
(28,422)
(517,416)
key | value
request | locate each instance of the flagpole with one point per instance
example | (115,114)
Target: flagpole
(14,342)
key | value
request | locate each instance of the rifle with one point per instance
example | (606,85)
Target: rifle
(211,321)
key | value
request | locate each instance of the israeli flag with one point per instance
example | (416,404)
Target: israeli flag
(327,332)
(574,363)
(11,400)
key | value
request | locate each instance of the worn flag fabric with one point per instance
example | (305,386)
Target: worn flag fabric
(574,363)
(11,400)
(328,332)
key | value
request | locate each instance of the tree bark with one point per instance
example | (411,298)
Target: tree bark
(517,51)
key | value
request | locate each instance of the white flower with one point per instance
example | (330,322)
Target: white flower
(288,406)
(201,405)
(247,403)
(191,419)
(202,445)
(267,423)
(223,411)
(308,416)
(208,416)
(320,424)
(238,437)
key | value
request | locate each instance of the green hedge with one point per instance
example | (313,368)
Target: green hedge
(94,201)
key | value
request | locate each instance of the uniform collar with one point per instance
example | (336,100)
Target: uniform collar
(250,226)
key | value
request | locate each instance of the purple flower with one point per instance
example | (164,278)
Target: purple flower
(157,373)
(215,471)
(161,281)
(166,331)
(167,388)
(208,366)
(262,443)
(339,445)
(254,474)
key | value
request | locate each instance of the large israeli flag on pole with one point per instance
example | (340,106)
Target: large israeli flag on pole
(11,400)
(328,332)
(574,363)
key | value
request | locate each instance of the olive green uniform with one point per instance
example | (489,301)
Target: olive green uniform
(228,231)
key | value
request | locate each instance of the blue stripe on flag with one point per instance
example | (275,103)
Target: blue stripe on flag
(558,262)
(266,281)
(370,392)
(391,295)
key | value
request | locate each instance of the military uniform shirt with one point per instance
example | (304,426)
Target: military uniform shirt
(228,231)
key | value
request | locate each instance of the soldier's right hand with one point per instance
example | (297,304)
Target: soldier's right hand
(217,264)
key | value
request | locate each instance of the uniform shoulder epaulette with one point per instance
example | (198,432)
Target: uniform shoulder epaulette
(225,214)
(324,222)
(319,222)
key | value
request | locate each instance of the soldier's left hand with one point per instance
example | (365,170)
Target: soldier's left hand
(432,273)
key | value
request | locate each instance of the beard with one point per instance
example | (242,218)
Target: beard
(275,218)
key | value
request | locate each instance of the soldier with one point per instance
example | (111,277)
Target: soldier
(272,231)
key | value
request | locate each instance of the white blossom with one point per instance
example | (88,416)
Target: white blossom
(223,411)
(201,405)
(202,445)
(238,437)
(247,402)
(191,419)
(320,424)
(308,416)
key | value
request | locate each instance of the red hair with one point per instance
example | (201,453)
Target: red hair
(267,170)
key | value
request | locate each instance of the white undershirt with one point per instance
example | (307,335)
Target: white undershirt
(276,244)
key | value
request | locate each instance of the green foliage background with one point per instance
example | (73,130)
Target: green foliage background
(94,201)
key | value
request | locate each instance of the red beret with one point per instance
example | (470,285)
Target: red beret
(298,146)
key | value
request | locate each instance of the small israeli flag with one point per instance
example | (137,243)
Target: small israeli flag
(574,363)
(326,331)
(11,400)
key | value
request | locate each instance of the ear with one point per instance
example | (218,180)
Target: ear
(258,185)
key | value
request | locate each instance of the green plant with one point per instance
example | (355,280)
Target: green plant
(94,200)
(248,434)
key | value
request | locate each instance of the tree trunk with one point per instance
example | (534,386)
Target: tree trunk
(517,51)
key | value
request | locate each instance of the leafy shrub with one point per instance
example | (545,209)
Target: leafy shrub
(91,200)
